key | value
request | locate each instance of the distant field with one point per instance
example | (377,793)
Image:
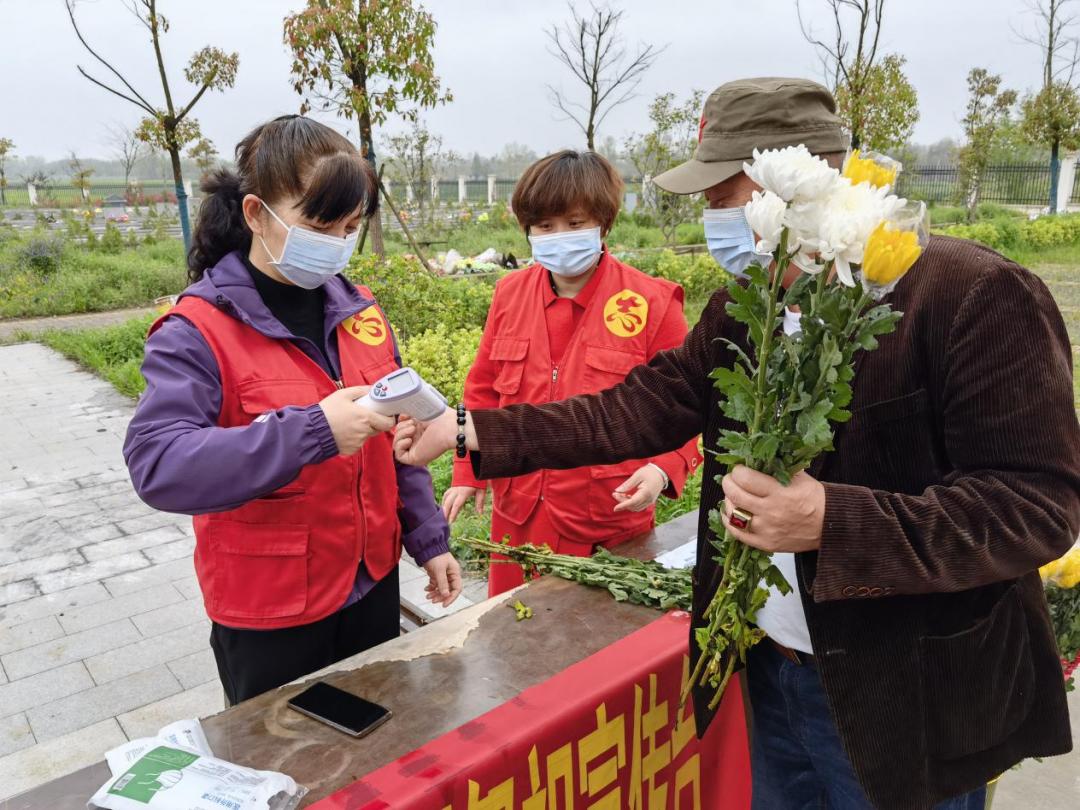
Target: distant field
(1064,283)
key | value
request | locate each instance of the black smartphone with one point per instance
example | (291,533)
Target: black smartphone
(341,710)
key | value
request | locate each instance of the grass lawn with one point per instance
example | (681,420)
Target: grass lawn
(50,275)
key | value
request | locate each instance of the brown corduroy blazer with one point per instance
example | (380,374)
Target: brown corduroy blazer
(957,476)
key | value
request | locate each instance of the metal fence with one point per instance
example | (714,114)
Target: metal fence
(1013,184)
(68,196)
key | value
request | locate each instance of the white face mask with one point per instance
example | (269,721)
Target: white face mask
(310,259)
(569,253)
(730,240)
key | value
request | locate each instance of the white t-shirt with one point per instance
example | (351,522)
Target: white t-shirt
(783,617)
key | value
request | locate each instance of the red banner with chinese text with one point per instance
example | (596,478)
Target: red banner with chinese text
(603,734)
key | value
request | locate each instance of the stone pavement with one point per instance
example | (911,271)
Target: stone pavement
(103,636)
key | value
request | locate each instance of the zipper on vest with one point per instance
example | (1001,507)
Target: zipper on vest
(339,384)
(554,374)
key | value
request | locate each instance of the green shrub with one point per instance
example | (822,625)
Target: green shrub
(443,357)
(112,241)
(628,234)
(1007,234)
(42,253)
(416,300)
(698,273)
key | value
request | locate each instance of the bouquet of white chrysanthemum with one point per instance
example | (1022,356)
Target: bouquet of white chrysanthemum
(851,241)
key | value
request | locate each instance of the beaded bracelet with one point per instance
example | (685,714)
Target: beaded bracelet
(461,431)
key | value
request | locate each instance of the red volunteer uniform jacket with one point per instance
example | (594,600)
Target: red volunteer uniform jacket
(290,558)
(629,317)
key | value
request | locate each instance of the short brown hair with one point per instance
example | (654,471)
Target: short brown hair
(564,180)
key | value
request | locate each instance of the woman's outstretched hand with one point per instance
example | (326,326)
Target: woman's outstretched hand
(418,444)
(444,579)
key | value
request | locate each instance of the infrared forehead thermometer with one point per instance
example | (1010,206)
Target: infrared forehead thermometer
(404,391)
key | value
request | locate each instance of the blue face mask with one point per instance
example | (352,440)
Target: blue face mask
(569,253)
(730,240)
(310,259)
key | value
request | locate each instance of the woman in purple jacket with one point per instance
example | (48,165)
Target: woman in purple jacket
(248,421)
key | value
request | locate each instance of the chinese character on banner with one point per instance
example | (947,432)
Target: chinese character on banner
(560,769)
(500,797)
(609,737)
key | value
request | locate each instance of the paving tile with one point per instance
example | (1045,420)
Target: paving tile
(64,650)
(99,570)
(132,542)
(189,587)
(15,734)
(147,577)
(17,591)
(101,702)
(178,549)
(195,669)
(121,661)
(145,523)
(53,603)
(45,761)
(116,608)
(154,623)
(45,687)
(202,701)
(28,634)
(27,569)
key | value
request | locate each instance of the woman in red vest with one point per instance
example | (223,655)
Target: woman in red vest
(575,322)
(249,422)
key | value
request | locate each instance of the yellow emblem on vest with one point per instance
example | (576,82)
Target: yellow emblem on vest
(626,313)
(367,326)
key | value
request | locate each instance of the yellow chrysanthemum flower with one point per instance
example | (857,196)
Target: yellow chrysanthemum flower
(1063,572)
(865,170)
(889,254)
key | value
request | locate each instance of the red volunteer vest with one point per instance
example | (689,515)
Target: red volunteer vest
(613,336)
(290,557)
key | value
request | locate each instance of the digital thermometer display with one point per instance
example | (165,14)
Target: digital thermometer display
(404,392)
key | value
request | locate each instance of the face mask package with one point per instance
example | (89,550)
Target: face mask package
(177,771)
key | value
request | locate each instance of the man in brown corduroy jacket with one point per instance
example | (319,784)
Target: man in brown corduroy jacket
(915,659)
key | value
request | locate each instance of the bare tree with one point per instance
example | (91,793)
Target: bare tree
(1050,116)
(418,157)
(1054,37)
(127,147)
(874,97)
(591,47)
(168,129)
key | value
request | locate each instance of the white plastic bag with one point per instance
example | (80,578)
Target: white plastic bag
(177,771)
(165,777)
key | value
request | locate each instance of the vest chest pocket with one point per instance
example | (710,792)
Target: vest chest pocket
(508,354)
(606,366)
(260,396)
(605,479)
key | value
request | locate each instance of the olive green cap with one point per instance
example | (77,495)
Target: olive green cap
(750,114)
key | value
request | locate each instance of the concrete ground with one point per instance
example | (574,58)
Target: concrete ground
(103,636)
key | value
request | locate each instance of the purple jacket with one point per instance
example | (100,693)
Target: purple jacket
(181,461)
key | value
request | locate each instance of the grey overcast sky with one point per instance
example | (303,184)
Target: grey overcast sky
(491,53)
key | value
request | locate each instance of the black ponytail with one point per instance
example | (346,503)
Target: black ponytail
(220,228)
(291,156)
